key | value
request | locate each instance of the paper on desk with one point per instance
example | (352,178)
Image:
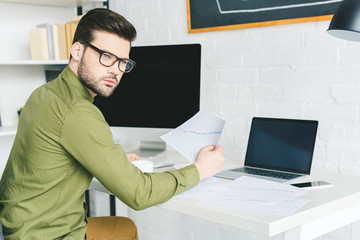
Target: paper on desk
(282,208)
(208,188)
(265,191)
(245,188)
(248,194)
(201,130)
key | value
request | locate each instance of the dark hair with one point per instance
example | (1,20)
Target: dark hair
(102,19)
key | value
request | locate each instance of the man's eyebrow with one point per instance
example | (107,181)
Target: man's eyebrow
(114,54)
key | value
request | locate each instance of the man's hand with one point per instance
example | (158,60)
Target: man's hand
(209,161)
(132,157)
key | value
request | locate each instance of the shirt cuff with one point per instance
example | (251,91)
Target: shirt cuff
(187,178)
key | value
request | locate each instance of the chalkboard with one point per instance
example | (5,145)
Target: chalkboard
(214,15)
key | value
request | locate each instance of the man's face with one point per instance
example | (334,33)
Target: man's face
(101,80)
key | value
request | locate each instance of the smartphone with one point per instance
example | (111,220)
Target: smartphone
(312,184)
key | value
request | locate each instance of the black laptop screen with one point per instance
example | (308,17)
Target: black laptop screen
(281,144)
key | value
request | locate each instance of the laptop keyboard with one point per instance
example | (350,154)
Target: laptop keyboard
(266,173)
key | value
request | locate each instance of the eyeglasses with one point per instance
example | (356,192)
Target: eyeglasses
(108,59)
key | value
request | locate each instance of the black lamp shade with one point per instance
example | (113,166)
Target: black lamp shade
(345,23)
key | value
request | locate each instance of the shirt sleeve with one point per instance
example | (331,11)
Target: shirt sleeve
(87,139)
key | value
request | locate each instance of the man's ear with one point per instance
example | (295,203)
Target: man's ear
(77,50)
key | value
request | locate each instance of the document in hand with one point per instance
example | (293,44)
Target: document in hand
(201,130)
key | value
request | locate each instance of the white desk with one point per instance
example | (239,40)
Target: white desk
(329,209)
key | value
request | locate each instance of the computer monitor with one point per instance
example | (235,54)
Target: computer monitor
(159,94)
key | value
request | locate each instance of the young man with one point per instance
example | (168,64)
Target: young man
(63,142)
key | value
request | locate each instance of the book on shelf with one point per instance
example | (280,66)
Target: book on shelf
(70,28)
(50,39)
(53,41)
(39,44)
(59,36)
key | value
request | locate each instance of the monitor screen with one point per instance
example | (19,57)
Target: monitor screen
(161,92)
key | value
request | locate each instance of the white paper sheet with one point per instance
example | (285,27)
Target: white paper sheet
(282,208)
(261,190)
(208,188)
(248,194)
(201,130)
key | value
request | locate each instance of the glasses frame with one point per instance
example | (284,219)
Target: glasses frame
(101,52)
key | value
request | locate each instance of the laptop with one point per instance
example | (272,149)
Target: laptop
(280,150)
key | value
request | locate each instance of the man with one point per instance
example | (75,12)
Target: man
(63,142)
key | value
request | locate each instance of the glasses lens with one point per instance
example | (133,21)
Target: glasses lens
(107,59)
(126,66)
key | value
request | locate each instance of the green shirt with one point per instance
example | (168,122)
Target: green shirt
(62,142)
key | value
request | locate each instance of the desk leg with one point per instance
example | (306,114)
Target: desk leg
(112,205)
(87,200)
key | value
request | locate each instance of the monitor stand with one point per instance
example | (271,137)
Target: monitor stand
(149,149)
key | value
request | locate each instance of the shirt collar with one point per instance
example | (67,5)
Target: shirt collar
(72,79)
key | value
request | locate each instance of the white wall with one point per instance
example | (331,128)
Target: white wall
(17,82)
(17,19)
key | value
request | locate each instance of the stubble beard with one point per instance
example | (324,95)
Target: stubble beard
(91,83)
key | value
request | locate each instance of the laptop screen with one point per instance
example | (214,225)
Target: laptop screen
(281,144)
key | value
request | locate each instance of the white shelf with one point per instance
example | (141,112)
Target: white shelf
(56,3)
(8,131)
(33,62)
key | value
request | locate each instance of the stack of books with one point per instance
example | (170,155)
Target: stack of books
(52,41)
